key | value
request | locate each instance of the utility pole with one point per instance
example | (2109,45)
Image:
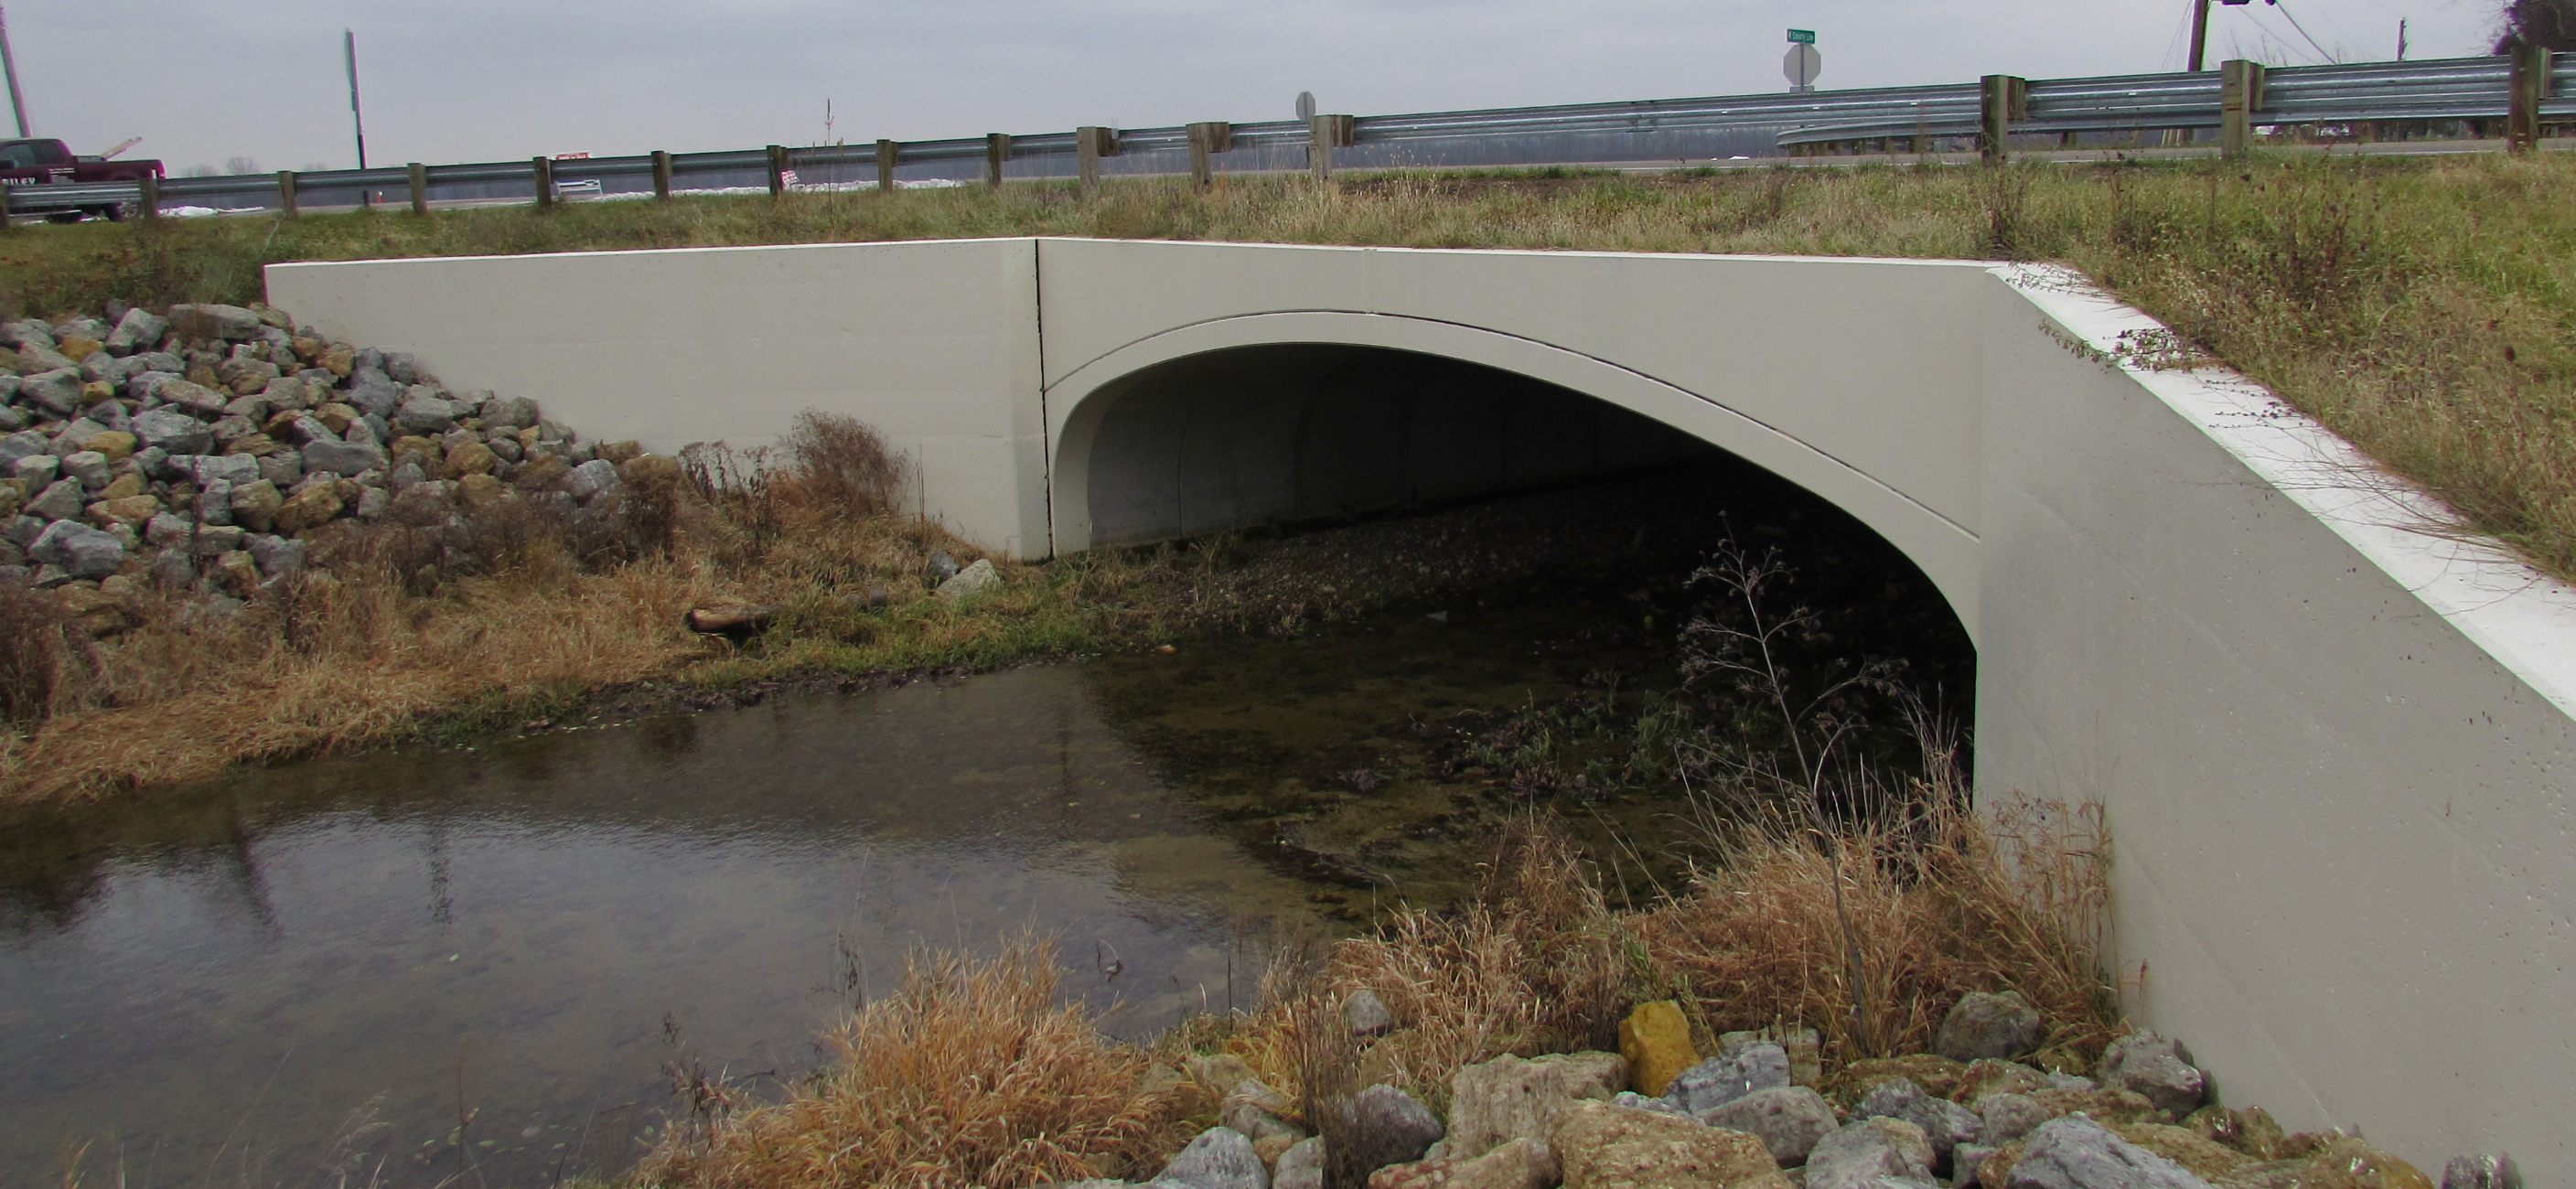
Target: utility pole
(349,42)
(2200,28)
(2401,39)
(9,64)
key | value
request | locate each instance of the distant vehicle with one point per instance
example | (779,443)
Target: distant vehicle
(38,163)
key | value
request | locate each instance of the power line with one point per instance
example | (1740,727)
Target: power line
(2322,53)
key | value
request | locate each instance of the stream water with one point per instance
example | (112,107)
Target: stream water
(401,968)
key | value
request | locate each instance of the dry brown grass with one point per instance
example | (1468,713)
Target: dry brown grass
(971,1075)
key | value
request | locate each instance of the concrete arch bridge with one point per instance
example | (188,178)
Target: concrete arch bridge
(2334,743)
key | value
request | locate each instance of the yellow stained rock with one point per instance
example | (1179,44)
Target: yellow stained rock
(76,348)
(472,458)
(1656,1040)
(479,491)
(127,484)
(116,444)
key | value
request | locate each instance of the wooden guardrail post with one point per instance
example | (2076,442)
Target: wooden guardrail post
(777,170)
(286,192)
(997,149)
(419,188)
(661,176)
(2531,65)
(887,154)
(1326,134)
(1090,144)
(5,220)
(2240,95)
(2001,99)
(1206,141)
(543,168)
(148,204)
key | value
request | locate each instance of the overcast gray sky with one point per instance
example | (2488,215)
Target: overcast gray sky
(481,80)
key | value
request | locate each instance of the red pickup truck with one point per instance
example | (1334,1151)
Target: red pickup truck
(37,163)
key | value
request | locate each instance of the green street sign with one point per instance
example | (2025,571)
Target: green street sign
(1802,37)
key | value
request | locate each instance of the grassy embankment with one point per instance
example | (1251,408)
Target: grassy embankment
(2421,308)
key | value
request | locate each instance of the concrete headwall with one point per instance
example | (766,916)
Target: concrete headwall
(2334,742)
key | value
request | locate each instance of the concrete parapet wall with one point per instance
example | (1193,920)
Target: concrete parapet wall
(2334,741)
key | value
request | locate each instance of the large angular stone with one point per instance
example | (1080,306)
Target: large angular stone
(1857,1154)
(195,398)
(423,411)
(82,551)
(372,391)
(60,500)
(1945,1124)
(206,470)
(57,392)
(2077,1153)
(1789,1120)
(342,458)
(138,330)
(2157,1067)
(1301,1166)
(316,505)
(1392,1127)
(1220,1158)
(2004,1118)
(1759,1065)
(1600,1146)
(1983,1025)
(214,322)
(1655,1038)
(1509,1098)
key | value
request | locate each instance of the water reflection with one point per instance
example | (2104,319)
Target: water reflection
(213,980)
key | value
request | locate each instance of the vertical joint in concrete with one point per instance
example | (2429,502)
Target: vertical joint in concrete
(2001,99)
(2240,95)
(2531,68)
(661,175)
(997,149)
(543,170)
(419,178)
(887,154)
(286,192)
(777,170)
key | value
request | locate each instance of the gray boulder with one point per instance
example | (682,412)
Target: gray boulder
(37,471)
(1733,1074)
(1857,1155)
(90,467)
(2075,1152)
(274,555)
(591,478)
(342,458)
(216,540)
(1302,1166)
(1258,1111)
(27,331)
(82,551)
(166,529)
(60,500)
(1367,1014)
(1982,1025)
(2008,1117)
(206,470)
(22,531)
(509,412)
(215,322)
(402,367)
(138,330)
(1789,1120)
(1639,1102)
(57,392)
(69,437)
(159,361)
(284,470)
(195,398)
(973,580)
(2481,1172)
(1945,1124)
(25,443)
(2157,1067)
(424,412)
(80,326)
(1392,1127)
(372,391)
(1220,1158)
(1966,1161)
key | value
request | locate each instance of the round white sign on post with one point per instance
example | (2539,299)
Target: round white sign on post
(1802,66)
(1305,105)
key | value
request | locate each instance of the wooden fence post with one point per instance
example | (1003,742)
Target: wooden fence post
(286,192)
(887,154)
(777,170)
(148,204)
(5,220)
(2531,66)
(661,176)
(2240,95)
(997,149)
(544,170)
(2001,99)
(419,188)
(1090,144)
(1206,141)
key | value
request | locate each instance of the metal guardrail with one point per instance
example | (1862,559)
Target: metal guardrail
(2470,90)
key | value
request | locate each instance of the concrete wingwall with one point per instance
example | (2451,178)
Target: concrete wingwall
(2333,741)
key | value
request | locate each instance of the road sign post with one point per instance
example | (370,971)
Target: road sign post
(1804,63)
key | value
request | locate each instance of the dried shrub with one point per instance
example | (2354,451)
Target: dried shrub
(971,1075)
(41,652)
(1942,902)
(843,464)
